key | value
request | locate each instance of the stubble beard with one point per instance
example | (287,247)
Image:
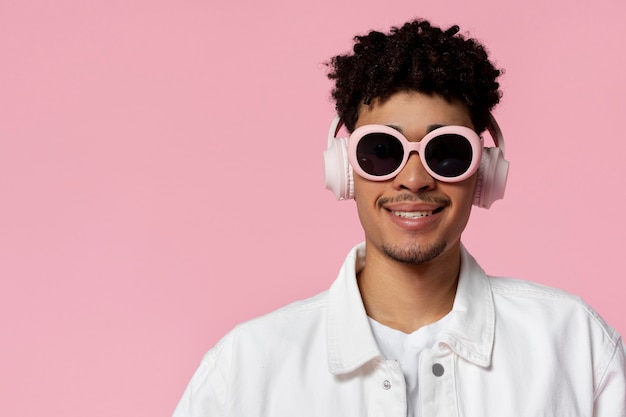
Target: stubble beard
(415,254)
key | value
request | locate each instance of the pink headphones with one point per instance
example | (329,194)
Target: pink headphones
(492,172)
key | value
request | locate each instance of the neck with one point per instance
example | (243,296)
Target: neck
(405,296)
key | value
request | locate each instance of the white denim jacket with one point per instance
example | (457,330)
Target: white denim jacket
(512,348)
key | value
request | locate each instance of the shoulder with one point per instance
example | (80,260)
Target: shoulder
(295,312)
(551,306)
(290,322)
(560,326)
(512,287)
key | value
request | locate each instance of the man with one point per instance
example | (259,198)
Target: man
(412,325)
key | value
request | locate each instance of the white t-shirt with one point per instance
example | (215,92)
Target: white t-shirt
(405,349)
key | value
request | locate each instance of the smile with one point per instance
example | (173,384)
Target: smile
(415,214)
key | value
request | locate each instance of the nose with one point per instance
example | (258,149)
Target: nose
(413,176)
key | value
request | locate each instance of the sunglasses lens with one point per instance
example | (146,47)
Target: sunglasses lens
(449,155)
(379,153)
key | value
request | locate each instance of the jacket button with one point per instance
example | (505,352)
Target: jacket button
(386,384)
(438,369)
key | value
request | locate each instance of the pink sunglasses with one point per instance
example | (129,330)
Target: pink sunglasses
(448,153)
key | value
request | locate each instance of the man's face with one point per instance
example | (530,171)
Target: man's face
(412,217)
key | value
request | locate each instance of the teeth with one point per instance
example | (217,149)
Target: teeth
(412,214)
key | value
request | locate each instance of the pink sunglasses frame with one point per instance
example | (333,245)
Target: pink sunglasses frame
(409,147)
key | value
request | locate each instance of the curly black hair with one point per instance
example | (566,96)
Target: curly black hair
(415,57)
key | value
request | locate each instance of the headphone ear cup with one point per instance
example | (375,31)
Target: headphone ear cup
(337,169)
(492,176)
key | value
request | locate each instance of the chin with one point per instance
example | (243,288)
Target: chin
(414,254)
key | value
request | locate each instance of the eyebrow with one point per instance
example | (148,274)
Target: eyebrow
(428,129)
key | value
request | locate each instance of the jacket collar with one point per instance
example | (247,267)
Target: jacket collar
(471,330)
(351,344)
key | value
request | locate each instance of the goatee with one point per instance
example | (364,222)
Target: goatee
(414,255)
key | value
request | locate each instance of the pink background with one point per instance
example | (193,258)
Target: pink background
(161,177)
